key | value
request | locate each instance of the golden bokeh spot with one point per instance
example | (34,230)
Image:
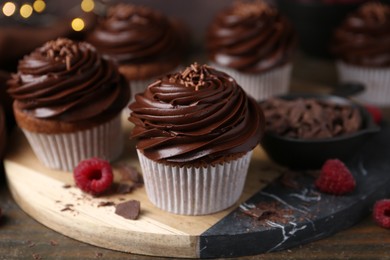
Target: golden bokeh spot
(26,11)
(9,8)
(78,24)
(39,6)
(87,5)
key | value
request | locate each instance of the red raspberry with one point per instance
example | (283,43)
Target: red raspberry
(375,112)
(335,178)
(93,175)
(381,213)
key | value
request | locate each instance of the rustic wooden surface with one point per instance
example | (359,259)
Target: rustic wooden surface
(21,237)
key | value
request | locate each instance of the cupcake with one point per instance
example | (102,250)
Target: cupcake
(195,133)
(144,43)
(362,46)
(253,42)
(68,100)
(3,136)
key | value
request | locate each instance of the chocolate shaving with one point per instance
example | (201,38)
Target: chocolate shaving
(36,256)
(193,76)
(128,172)
(105,204)
(66,186)
(124,188)
(310,118)
(289,180)
(129,209)
(258,213)
(253,8)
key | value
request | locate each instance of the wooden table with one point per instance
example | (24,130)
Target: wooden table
(21,237)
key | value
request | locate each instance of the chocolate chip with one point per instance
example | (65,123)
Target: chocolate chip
(129,209)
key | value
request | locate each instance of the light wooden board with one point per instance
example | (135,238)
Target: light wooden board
(40,192)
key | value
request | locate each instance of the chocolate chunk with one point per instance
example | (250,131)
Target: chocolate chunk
(129,209)
(124,188)
(129,173)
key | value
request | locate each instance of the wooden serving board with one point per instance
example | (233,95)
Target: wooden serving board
(295,214)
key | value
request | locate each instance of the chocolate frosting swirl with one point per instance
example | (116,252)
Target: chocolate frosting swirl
(250,37)
(200,115)
(364,36)
(68,81)
(136,34)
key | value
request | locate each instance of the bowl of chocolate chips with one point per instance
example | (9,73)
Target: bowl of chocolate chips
(304,130)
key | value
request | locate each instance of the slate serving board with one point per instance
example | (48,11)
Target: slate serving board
(279,209)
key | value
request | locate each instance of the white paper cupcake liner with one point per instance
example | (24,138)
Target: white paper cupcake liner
(376,81)
(263,85)
(64,151)
(192,190)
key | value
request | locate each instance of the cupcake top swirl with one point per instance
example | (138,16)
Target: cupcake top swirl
(200,115)
(364,36)
(250,37)
(136,34)
(68,81)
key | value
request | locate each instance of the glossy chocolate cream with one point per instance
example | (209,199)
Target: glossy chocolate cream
(68,81)
(200,115)
(132,34)
(250,37)
(364,36)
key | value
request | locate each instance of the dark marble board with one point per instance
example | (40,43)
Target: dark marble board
(291,215)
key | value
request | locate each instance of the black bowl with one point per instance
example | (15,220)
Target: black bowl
(304,154)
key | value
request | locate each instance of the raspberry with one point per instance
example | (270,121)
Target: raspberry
(93,175)
(381,213)
(335,178)
(375,112)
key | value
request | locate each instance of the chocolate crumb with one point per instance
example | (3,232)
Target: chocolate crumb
(105,204)
(124,188)
(258,213)
(53,243)
(128,172)
(66,209)
(36,256)
(98,255)
(267,211)
(289,180)
(30,243)
(129,209)
(66,186)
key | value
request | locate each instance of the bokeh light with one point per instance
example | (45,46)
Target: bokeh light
(87,5)
(39,6)
(9,9)
(78,24)
(26,11)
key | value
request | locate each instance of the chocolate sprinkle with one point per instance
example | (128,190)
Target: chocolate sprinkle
(129,209)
